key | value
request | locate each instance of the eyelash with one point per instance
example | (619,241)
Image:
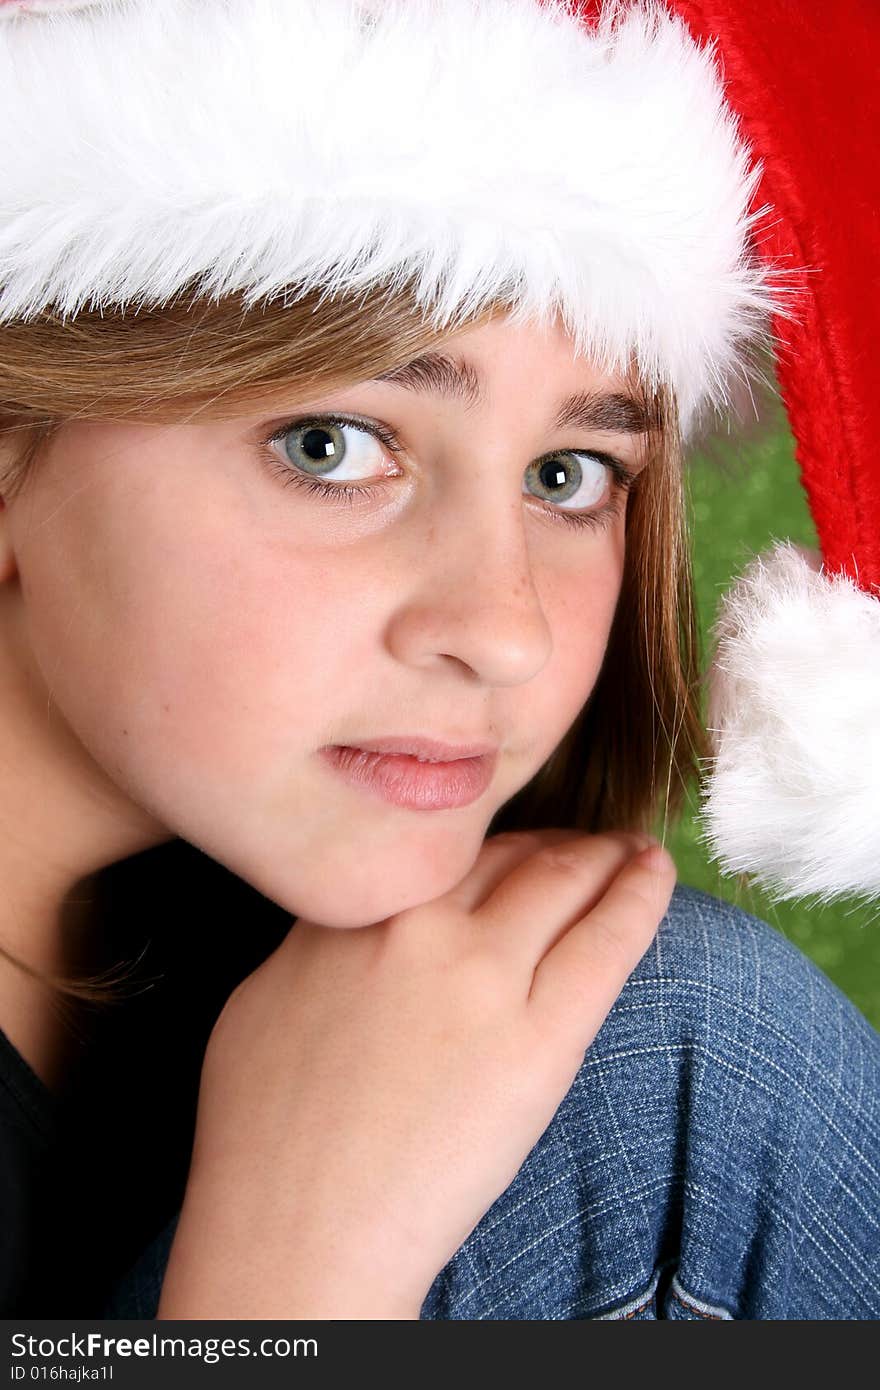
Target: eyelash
(345,493)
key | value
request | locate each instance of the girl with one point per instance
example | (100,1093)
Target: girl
(342,530)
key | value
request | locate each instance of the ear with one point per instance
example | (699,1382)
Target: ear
(8,563)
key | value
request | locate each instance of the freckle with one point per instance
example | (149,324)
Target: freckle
(125,731)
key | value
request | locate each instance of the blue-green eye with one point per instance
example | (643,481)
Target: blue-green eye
(568,476)
(345,451)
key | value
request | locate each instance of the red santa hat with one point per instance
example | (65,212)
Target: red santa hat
(675,179)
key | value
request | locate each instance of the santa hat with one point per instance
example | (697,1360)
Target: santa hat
(674,179)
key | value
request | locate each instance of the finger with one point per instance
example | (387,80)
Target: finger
(577,982)
(548,891)
(497,857)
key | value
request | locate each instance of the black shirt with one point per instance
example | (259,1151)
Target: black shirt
(88,1176)
(27,1139)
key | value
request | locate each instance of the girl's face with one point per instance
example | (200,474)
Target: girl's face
(207,620)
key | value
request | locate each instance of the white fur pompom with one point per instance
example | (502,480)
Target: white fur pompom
(793,794)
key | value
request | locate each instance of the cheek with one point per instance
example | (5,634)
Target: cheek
(193,660)
(580,602)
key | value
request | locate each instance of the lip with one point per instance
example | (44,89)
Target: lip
(430,750)
(402,779)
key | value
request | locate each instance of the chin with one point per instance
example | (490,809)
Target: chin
(356,876)
(328,907)
(365,890)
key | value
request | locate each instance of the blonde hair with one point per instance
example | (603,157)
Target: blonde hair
(629,756)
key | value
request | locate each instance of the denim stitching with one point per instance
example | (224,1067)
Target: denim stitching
(818,1159)
(609,1106)
(637,1304)
(502,1218)
(574,1169)
(828,1290)
(831,1081)
(810,1235)
(661,1007)
(796,1245)
(598,1209)
(824,1137)
(640,1191)
(624,1317)
(730,1115)
(756,1081)
(705,1310)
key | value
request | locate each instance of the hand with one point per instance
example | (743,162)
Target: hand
(368,1093)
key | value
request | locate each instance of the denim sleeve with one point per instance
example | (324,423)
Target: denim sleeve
(717,1156)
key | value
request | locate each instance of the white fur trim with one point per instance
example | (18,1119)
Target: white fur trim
(794,712)
(488,147)
(10,7)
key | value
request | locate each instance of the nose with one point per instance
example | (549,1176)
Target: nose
(470,595)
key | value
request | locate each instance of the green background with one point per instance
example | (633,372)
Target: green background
(743,495)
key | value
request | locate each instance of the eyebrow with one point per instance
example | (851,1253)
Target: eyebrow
(457,379)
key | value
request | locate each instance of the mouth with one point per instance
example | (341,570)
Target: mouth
(419,780)
(425,750)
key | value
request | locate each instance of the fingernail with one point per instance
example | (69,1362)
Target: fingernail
(654,856)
